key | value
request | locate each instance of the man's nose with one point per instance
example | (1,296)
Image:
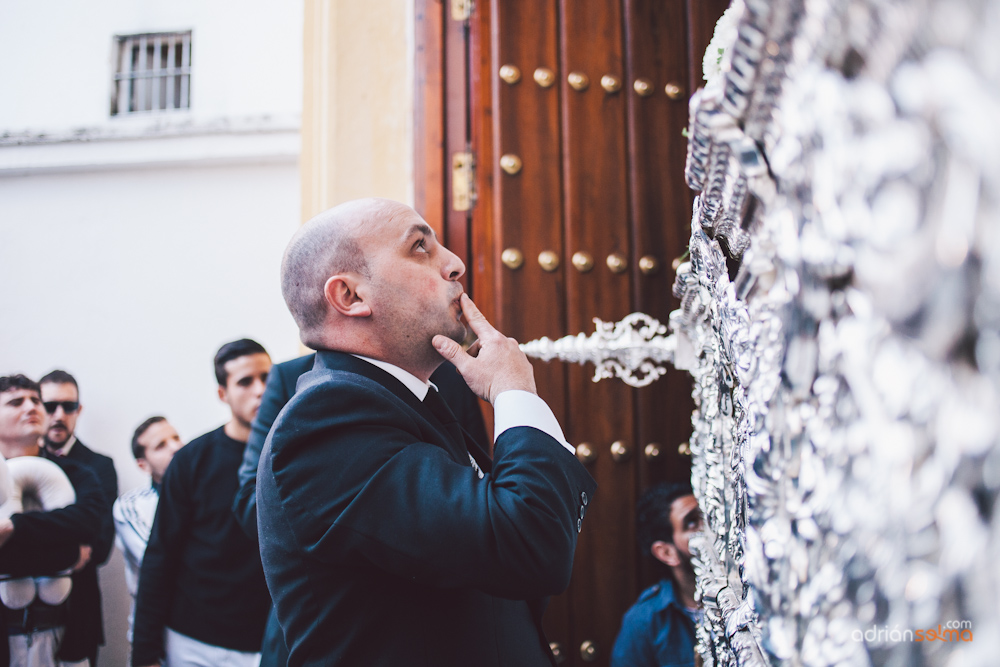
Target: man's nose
(453,267)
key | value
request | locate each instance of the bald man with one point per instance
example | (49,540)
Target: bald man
(388,536)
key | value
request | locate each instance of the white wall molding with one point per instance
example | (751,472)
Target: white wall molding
(157,124)
(261,140)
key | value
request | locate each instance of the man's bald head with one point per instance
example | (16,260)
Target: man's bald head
(326,246)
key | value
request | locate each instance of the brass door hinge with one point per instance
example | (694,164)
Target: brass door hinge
(461,10)
(463,179)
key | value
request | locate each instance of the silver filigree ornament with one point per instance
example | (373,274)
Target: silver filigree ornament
(634,350)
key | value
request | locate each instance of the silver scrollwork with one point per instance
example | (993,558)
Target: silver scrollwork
(633,350)
(846,433)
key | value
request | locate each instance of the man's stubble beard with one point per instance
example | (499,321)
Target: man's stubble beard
(686,566)
(412,334)
(52,444)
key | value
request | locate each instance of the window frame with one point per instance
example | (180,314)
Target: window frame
(141,86)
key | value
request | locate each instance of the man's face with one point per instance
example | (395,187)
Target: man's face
(685,518)
(414,290)
(160,442)
(247,376)
(57,397)
(22,417)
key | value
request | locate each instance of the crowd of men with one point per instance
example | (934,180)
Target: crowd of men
(390,533)
(195,575)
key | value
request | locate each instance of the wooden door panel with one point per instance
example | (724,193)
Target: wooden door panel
(661,201)
(531,301)
(484,265)
(529,202)
(456,104)
(657,46)
(428,113)
(597,223)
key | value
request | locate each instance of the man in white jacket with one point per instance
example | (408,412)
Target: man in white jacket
(154,444)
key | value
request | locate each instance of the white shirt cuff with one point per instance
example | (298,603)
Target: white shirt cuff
(522,408)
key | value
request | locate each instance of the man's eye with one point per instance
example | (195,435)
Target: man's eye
(421,245)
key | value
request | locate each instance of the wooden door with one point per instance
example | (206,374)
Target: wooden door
(573,113)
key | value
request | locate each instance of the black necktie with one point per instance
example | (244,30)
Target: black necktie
(440,409)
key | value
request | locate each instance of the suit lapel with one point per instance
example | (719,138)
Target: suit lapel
(451,438)
(78,452)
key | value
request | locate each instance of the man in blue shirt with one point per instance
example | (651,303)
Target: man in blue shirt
(658,630)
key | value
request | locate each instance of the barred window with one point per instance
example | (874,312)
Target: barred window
(153,73)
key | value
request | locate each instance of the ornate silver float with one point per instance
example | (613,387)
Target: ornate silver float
(846,437)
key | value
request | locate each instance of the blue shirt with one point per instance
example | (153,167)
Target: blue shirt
(656,632)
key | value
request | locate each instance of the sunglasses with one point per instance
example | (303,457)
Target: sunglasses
(67,406)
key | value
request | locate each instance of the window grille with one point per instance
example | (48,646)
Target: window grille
(153,73)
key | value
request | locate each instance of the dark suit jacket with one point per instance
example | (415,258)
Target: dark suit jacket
(85,624)
(382,546)
(104,468)
(281,386)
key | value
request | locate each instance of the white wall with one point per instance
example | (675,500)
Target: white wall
(58,58)
(133,295)
(131,248)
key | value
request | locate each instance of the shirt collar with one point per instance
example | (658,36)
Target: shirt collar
(64,450)
(666,596)
(418,387)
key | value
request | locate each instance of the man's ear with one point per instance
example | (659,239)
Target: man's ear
(666,553)
(144,466)
(222,393)
(341,292)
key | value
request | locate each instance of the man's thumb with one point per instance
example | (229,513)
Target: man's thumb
(446,347)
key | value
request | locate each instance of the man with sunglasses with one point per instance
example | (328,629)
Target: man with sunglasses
(61,399)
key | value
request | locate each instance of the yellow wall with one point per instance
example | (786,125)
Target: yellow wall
(357,135)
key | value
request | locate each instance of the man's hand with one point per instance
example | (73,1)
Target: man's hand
(6,531)
(85,552)
(494,364)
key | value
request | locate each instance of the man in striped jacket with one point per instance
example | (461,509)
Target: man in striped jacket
(153,444)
